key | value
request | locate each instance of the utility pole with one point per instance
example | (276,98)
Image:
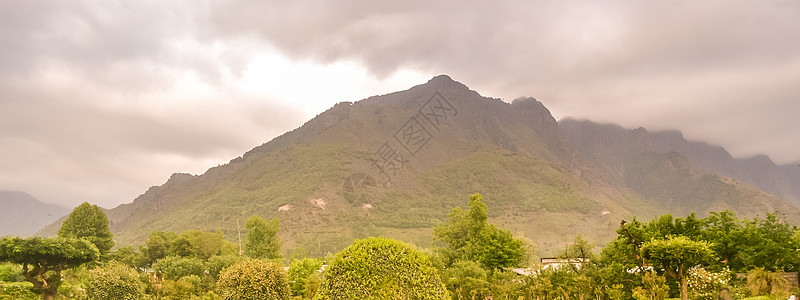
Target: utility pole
(239,232)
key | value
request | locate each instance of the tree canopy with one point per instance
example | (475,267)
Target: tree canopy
(262,238)
(254,279)
(380,268)
(115,281)
(675,255)
(469,236)
(43,259)
(88,222)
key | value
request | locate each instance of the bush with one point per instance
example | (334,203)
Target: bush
(174,267)
(11,273)
(216,264)
(762,282)
(184,288)
(704,285)
(115,281)
(379,268)
(304,277)
(17,291)
(254,279)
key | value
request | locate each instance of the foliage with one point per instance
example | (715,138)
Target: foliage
(703,285)
(88,222)
(43,259)
(762,282)
(216,264)
(184,288)
(262,238)
(470,237)
(197,243)
(175,267)
(466,279)
(379,268)
(254,279)
(189,243)
(17,291)
(675,255)
(10,273)
(771,246)
(157,245)
(303,275)
(129,256)
(115,281)
(654,287)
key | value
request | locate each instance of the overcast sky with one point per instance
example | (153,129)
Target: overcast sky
(100,100)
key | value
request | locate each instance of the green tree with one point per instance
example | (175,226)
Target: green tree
(469,236)
(654,287)
(43,259)
(88,222)
(729,239)
(262,238)
(380,268)
(175,267)
(217,263)
(157,245)
(467,278)
(301,272)
(115,281)
(771,244)
(129,256)
(199,243)
(675,255)
(254,279)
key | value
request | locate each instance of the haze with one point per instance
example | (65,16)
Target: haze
(102,99)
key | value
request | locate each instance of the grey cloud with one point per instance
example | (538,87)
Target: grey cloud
(79,79)
(591,59)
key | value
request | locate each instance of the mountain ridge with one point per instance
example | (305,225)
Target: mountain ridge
(396,164)
(23,215)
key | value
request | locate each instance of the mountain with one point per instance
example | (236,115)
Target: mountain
(665,167)
(395,165)
(23,215)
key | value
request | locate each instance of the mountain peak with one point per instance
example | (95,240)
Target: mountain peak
(445,82)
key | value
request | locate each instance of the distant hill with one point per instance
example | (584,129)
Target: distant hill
(395,165)
(23,215)
(626,152)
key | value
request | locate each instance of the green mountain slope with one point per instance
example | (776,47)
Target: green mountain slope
(670,172)
(395,165)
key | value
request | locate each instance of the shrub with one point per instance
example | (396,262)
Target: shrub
(254,279)
(174,267)
(115,281)
(762,282)
(379,268)
(704,285)
(304,277)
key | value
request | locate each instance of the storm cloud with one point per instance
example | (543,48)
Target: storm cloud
(101,99)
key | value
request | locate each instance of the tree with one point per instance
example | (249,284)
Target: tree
(303,273)
(254,279)
(157,245)
(43,259)
(88,222)
(469,236)
(198,244)
(115,281)
(175,267)
(262,238)
(380,268)
(676,255)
